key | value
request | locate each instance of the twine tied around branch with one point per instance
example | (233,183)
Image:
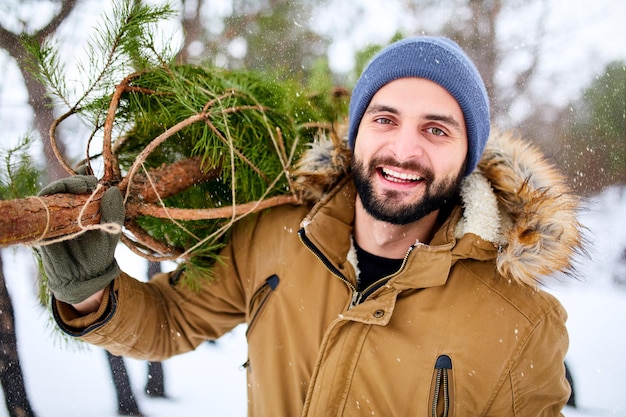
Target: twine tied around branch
(111,227)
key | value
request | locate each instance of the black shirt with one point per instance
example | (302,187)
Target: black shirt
(373,267)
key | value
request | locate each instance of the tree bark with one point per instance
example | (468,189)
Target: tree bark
(32,219)
(155,385)
(11,377)
(126,401)
(38,98)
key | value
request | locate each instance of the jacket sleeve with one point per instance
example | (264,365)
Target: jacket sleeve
(536,382)
(158,319)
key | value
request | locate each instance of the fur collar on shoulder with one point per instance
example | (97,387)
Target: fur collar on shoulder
(515,199)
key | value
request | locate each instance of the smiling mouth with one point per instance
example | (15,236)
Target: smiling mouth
(399,177)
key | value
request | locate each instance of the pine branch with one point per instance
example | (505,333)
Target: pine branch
(18,176)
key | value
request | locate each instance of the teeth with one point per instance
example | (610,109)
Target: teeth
(400,176)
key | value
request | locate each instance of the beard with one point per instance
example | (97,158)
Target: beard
(388,206)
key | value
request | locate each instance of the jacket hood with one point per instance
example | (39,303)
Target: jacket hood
(515,199)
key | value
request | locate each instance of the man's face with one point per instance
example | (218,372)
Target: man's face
(410,151)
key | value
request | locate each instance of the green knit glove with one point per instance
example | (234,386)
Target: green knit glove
(82,266)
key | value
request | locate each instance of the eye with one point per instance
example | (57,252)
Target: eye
(383,120)
(436,131)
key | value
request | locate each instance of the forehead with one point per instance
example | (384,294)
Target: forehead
(413,89)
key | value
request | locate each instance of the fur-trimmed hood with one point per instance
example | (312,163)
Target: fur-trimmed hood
(515,199)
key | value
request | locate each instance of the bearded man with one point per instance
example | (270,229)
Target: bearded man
(411,288)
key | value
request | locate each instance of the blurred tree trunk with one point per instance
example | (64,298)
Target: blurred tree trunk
(126,402)
(261,31)
(192,28)
(478,34)
(155,386)
(43,115)
(43,112)
(15,396)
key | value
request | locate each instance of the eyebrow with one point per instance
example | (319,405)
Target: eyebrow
(449,120)
(377,108)
(445,119)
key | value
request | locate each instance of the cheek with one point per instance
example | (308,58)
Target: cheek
(364,148)
(449,161)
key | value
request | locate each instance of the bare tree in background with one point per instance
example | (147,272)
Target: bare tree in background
(274,35)
(155,384)
(11,376)
(38,98)
(43,112)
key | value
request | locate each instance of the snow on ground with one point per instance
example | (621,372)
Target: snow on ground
(70,379)
(66,380)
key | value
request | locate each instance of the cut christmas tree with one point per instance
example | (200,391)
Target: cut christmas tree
(192,148)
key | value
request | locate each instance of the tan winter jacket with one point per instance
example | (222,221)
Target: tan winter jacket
(462,329)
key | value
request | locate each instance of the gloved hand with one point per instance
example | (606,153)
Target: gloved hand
(82,266)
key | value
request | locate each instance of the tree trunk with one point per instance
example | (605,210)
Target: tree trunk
(11,377)
(572,397)
(31,219)
(43,117)
(126,402)
(38,97)
(155,386)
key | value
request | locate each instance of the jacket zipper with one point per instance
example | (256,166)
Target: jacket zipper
(442,385)
(356,296)
(377,284)
(265,290)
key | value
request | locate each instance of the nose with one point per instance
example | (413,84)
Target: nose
(407,144)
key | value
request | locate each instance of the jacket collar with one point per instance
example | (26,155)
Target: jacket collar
(328,226)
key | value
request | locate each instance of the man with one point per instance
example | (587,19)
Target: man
(391,296)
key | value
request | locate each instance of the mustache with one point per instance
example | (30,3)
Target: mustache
(413,166)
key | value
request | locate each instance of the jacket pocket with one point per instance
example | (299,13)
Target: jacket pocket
(259,300)
(442,388)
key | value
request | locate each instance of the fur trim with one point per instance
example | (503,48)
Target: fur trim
(481,214)
(321,167)
(544,233)
(515,199)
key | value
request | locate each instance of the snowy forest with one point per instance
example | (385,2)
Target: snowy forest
(555,71)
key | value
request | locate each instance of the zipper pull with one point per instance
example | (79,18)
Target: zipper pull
(441,398)
(356,298)
(443,362)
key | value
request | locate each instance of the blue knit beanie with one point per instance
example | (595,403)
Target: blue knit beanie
(440,60)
